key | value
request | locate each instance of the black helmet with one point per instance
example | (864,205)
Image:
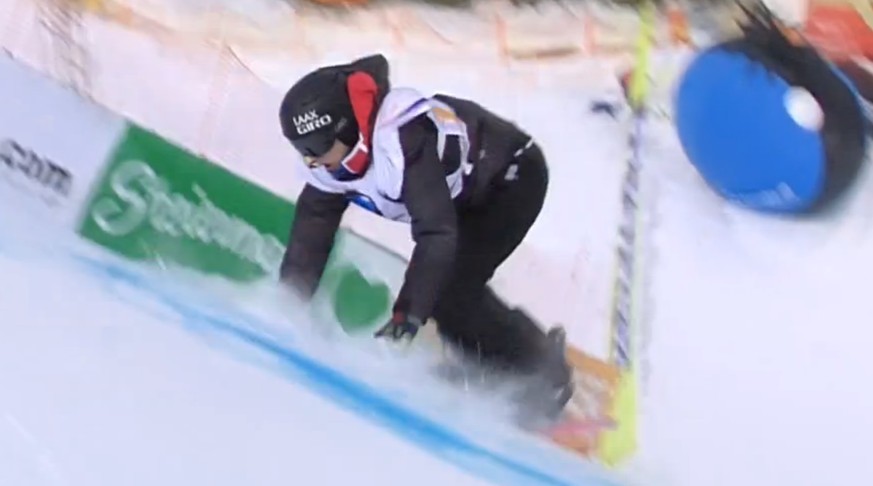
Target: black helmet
(316,111)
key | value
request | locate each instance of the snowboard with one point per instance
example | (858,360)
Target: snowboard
(578,427)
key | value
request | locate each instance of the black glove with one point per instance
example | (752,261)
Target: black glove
(400,327)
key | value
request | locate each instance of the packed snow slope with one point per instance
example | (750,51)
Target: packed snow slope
(755,364)
(756,352)
(114,374)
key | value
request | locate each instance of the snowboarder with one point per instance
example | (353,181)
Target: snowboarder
(469,183)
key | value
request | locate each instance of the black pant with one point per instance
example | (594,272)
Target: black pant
(468,312)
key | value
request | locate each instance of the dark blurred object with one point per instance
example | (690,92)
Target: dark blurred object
(769,123)
(859,71)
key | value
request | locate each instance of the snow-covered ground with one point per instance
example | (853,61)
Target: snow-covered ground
(757,348)
(113,374)
(755,368)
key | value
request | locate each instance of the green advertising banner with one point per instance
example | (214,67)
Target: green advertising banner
(159,203)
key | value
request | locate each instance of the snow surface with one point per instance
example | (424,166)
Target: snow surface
(756,353)
(755,367)
(114,374)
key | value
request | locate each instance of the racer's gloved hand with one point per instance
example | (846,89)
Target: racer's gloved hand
(400,327)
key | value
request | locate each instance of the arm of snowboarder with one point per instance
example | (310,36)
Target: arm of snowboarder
(434,220)
(316,220)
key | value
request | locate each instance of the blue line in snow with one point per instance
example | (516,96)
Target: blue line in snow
(351,393)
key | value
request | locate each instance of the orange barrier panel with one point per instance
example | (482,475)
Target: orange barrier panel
(841,28)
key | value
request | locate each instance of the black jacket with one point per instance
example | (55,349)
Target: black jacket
(426,196)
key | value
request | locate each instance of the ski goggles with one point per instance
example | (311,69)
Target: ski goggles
(312,147)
